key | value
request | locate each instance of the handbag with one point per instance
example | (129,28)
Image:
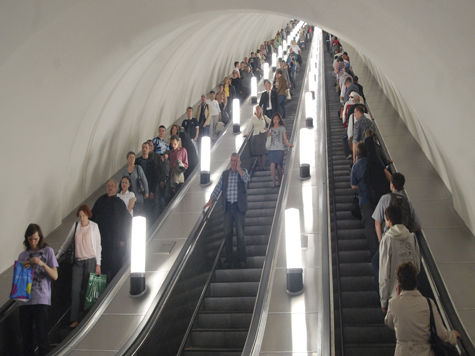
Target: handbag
(140,183)
(440,348)
(95,287)
(268,142)
(355,207)
(289,97)
(22,282)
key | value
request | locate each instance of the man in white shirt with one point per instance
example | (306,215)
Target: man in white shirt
(214,113)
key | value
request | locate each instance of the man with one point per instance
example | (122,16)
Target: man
(148,166)
(362,123)
(113,218)
(245,81)
(281,85)
(268,100)
(202,114)
(214,112)
(350,86)
(233,184)
(396,197)
(191,125)
(160,146)
(255,64)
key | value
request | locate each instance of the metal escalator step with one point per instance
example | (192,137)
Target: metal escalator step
(370,350)
(360,299)
(225,338)
(257,240)
(343,206)
(348,224)
(262,191)
(257,230)
(350,245)
(368,334)
(356,269)
(358,283)
(345,215)
(356,316)
(261,174)
(199,351)
(238,275)
(348,234)
(252,220)
(270,197)
(348,198)
(229,304)
(253,205)
(233,289)
(256,250)
(262,179)
(260,212)
(223,320)
(344,191)
(354,256)
(255,261)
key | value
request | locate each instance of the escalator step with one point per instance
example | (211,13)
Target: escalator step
(229,304)
(223,320)
(357,244)
(356,316)
(356,269)
(252,220)
(197,351)
(270,197)
(360,299)
(252,205)
(359,283)
(370,350)
(350,234)
(238,275)
(233,289)
(354,256)
(368,334)
(224,338)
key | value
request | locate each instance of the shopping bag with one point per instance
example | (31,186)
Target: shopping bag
(22,281)
(95,287)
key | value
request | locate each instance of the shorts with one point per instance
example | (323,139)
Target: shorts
(276,157)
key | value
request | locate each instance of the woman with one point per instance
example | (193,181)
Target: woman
(281,86)
(34,313)
(259,123)
(276,149)
(85,239)
(126,195)
(409,315)
(138,181)
(178,164)
(230,93)
(188,145)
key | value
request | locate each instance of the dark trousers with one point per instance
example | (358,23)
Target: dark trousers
(233,217)
(368,225)
(269,113)
(281,101)
(346,147)
(80,281)
(34,317)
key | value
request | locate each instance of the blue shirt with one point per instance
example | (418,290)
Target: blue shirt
(232,193)
(357,178)
(160,146)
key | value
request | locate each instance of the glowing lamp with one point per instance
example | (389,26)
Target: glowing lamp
(280,51)
(305,151)
(274,61)
(253,90)
(205,160)
(293,251)
(137,256)
(284,45)
(266,71)
(236,116)
(310,108)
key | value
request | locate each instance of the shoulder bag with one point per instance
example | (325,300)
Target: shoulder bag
(440,348)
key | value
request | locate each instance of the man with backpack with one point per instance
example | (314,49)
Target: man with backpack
(398,198)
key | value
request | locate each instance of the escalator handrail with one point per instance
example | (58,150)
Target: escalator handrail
(163,295)
(255,329)
(442,298)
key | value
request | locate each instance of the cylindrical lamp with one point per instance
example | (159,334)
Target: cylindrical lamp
(284,46)
(293,249)
(253,90)
(236,116)
(305,151)
(266,71)
(280,51)
(205,160)
(274,61)
(310,108)
(137,256)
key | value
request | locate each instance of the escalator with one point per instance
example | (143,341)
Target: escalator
(209,309)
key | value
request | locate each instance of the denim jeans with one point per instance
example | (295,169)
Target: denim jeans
(233,217)
(281,101)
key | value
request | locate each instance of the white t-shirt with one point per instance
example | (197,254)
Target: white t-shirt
(126,198)
(213,107)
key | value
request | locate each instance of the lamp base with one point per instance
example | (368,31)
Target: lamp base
(294,281)
(304,171)
(309,123)
(205,178)
(236,128)
(253,99)
(137,284)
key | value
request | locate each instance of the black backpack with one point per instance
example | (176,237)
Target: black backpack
(400,201)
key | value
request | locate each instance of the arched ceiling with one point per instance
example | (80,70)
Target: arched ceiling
(83,82)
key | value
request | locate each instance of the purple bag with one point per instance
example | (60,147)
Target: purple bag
(22,281)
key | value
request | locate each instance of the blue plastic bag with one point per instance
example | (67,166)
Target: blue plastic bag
(22,281)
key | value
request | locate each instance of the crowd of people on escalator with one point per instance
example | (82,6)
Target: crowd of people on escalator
(98,242)
(388,218)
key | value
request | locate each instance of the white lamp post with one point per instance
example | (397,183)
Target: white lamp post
(266,71)
(236,116)
(284,46)
(137,256)
(253,90)
(280,51)
(305,151)
(293,251)
(274,61)
(205,160)
(310,108)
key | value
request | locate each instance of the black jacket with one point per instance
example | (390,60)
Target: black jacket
(264,101)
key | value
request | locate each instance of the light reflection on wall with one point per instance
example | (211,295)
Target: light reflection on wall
(307,199)
(298,325)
